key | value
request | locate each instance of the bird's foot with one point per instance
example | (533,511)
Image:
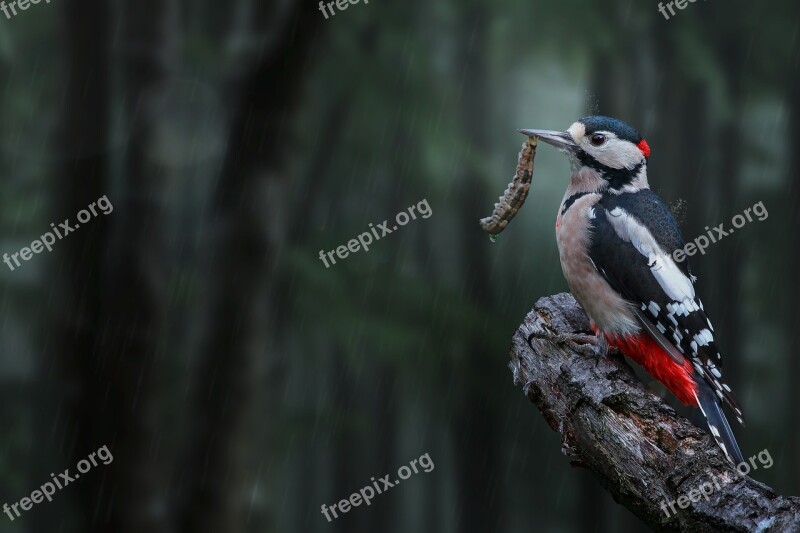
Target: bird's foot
(579,342)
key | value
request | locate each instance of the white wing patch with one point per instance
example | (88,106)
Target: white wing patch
(675,284)
(704,338)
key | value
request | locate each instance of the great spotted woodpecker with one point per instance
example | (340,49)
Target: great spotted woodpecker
(616,240)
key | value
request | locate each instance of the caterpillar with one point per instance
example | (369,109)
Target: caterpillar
(516,192)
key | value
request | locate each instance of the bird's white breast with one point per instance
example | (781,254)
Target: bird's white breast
(605,307)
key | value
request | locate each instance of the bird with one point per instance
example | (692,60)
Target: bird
(619,248)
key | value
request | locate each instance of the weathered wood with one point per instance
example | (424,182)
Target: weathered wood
(638,447)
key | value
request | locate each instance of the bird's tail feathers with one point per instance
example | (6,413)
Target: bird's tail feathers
(717,423)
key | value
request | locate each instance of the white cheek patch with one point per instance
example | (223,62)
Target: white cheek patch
(615,153)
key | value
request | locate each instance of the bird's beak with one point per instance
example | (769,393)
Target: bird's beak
(560,139)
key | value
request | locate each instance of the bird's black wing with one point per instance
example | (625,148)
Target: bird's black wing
(633,237)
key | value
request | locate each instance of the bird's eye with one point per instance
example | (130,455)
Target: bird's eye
(598,139)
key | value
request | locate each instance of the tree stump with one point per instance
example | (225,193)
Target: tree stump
(638,447)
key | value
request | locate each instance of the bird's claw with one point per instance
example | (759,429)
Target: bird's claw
(579,342)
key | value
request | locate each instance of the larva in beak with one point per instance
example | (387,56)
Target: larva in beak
(516,192)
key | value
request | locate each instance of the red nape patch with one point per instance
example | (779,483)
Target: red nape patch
(644,147)
(647,353)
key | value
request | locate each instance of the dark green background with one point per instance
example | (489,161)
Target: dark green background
(238,382)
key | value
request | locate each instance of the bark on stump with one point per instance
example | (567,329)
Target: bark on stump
(637,446)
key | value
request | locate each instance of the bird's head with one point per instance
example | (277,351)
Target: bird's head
(615,151)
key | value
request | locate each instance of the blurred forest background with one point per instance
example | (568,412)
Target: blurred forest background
(240,384)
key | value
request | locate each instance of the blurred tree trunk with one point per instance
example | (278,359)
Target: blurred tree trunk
(664,168)
(349,469)
(790,309)
(133,339)
(731,51)
(383,414)
(217,19)
(108,339)
(301,220)
(476,431)
(246,206)
(74,371)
